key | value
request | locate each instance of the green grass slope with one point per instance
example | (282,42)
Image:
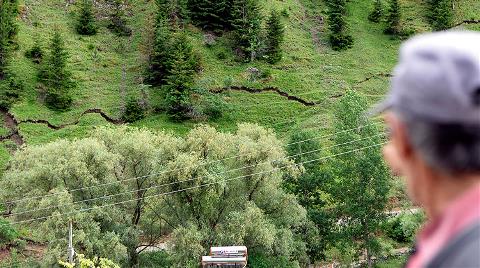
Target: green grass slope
(106,67)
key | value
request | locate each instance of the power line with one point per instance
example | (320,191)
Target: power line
(195,187)
(178,169)
(192,179)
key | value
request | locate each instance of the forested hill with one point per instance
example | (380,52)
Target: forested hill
(109,70)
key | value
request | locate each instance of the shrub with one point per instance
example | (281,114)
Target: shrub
(35,53)
(262,261)
(403,227)
(10,90)
(7,233)
(155,259)
(377,12)
(133,111)
(341,41)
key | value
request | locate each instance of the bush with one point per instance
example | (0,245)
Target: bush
(403,227)
(341,41)
(155,259)
(57,100)
(7,233)
(262,261)
(10,90)
(86,20)
(133,111)
(35,53)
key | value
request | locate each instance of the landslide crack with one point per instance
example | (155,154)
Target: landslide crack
(268,89)
(89,111)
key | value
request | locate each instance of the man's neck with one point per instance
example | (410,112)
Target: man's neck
(446,190)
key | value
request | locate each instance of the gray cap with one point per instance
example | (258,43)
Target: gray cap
(437,79)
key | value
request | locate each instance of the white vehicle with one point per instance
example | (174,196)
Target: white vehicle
(226,257)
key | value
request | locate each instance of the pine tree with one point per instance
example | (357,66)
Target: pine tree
(118,24)
(175,11)
(339,39)
(393,18)
(86,19)
(210,14)
(440,14)
(180,77)
(275,36)
(160,58)
(377,12)
(246,21)
(55,76)
(8,31)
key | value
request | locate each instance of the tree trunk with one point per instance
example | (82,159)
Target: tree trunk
(369,259)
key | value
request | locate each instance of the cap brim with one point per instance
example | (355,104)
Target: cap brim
(380,108)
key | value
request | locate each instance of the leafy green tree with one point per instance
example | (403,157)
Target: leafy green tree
(8,30)
(246,23)
(440,14)
(339,38)
(86,19)
(180,78)
(118,23)
(377,13)
(275,36)
(311,189)
(361,181)
(393,18)
(228,191)
(55,76)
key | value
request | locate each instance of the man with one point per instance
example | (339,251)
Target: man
(433,115)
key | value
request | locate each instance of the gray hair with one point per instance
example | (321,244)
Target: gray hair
(452,148)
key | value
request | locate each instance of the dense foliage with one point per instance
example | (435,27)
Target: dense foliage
(118,23)
(233,201)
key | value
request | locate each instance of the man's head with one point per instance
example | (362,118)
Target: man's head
(434,111)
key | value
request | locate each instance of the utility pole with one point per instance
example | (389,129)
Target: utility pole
(70,250)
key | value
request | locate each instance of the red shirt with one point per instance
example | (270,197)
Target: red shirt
(460,214)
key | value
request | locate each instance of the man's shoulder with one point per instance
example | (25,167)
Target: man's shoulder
(462,251)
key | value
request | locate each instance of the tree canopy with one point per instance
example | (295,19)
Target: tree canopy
(234,193)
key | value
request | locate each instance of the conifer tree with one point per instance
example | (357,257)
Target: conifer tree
(118,24)
(377,12)
(8,30)
(55,76)
(339,39)
(246,21)
(159,60)
(393,18)
(210,14)
(275,36)
(440,14)
(86,19)
(180,78)
(175,11)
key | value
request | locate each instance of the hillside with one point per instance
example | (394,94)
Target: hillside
(108,68)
